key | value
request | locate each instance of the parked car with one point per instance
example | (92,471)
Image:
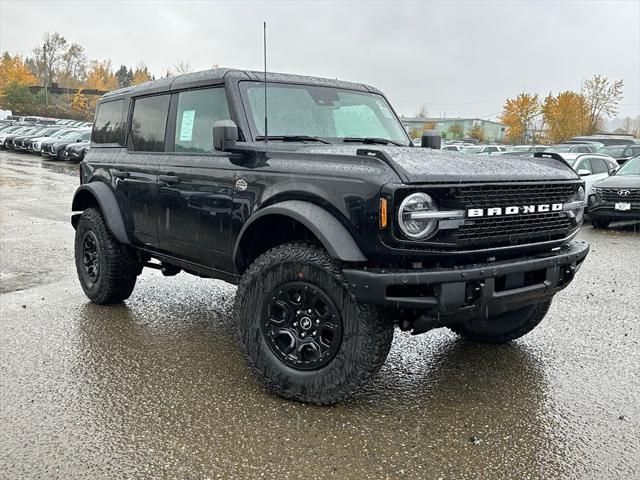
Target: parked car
(21,142)
(53,149)
(522,150)
(609,139)
(616,197)
(76,151)
(34,145)
(452,148)
(621,153)
(7,137)
(482,149)
(591,167)
(571,148)
(385,232)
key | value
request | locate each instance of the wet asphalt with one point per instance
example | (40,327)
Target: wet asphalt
(155,388)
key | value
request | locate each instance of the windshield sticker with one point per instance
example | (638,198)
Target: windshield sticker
(186,126)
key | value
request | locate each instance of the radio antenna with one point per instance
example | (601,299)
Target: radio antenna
(264,38)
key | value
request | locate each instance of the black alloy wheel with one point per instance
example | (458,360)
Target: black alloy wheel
(302,326)
(90,256)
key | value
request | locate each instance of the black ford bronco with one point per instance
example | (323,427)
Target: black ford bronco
(308,194)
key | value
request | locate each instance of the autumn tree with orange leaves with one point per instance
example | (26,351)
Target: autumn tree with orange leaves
(520,115)
(13,70)
(566,115)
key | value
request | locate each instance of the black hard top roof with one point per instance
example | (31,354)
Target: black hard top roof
(219,75)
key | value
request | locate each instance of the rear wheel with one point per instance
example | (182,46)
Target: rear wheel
(504,327)
(600,222)
(301,331)
(107,269)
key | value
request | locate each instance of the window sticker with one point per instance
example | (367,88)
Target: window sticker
(186,126)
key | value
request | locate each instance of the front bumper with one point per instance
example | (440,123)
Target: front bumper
(607,210)
(467,291)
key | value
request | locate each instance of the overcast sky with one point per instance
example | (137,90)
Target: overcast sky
(459,58)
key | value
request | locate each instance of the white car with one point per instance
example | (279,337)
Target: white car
(591,167)
(482,149)
(452,148)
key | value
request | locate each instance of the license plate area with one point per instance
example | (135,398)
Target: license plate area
(623,206)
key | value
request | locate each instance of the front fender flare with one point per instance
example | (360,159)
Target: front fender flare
(325,226)
(102,194)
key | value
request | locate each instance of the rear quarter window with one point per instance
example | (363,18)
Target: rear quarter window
(108,127)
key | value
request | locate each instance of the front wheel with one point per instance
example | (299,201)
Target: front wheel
(107,269)
(301,331)
(504,327)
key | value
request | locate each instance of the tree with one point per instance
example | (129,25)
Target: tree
(456,131)
(566,116)
(140,75)
(100,76)
(519,116)
(477,132)
(13,70)
(73,69)
(602,98)
(423,112)
(47,60)
(182,68)
(17,98)
(79,102)
(124,76)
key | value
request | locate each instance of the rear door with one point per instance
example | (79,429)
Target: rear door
(137,173)
(196,183)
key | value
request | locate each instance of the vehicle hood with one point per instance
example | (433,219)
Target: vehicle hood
(423,165)
(619,181)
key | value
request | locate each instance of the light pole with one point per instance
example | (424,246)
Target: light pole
(46,76)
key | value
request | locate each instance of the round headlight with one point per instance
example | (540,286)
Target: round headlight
(410,220)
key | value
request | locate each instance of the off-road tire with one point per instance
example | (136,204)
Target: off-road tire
(118,264)
(505,327)
(366,339)
(599,222)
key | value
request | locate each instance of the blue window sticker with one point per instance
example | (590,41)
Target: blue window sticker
(186,125)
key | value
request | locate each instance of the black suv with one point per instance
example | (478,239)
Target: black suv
(308,194)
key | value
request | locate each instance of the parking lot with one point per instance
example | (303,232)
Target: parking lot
(156,388)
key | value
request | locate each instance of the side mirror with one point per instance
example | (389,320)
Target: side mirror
(225,135)
(583,172)
(431,139)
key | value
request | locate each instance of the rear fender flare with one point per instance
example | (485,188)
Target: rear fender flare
(99,192)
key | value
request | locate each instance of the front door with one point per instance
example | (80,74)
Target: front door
(196,183)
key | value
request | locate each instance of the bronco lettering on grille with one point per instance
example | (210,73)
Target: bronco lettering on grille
(514,210)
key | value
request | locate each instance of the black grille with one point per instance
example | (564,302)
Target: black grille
(512,229)
(505,195)
(515,227)
(612,195)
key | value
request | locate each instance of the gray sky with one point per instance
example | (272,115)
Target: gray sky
(459,58)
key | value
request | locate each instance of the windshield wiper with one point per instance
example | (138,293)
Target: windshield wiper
(293,138)
(382,141)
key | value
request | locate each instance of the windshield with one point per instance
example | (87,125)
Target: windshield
(613,150)
(329,113)
(632,167)
(471,149)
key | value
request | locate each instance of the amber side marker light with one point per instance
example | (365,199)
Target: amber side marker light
(383,213)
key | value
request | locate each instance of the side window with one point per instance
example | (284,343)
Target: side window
(197,111)
(148,124)
(598,166)
(584,165)
(108,126)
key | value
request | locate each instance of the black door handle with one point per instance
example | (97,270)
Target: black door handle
(120,174)
(169,178)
